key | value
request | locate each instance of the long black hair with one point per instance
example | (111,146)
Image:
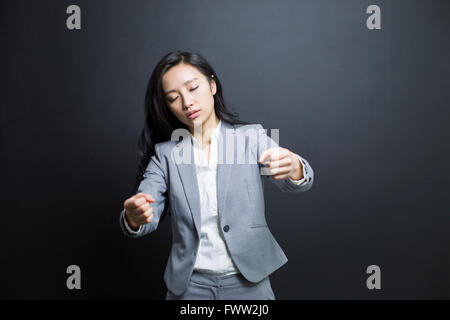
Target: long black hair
(159,120)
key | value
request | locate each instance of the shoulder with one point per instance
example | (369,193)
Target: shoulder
(245,127)
(165,147)
(253,129)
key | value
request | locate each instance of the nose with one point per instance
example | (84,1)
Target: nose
(188,103)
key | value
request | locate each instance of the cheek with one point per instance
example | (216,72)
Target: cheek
(175,110)
(208,98)
(175,107)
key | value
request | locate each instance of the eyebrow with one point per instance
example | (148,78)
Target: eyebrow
(184,83)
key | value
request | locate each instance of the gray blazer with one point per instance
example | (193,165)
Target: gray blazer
(240,202)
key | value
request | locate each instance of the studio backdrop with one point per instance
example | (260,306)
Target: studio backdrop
(358,88)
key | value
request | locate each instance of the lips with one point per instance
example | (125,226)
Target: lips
(191,113)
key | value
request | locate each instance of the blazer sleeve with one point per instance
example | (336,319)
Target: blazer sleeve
(154,183)
(285,185)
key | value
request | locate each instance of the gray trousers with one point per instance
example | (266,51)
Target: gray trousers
(203,286)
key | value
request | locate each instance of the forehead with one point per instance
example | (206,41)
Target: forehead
(177,75)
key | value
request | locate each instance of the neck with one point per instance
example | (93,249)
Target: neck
(202,132)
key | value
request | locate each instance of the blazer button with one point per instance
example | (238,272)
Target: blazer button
(226,228)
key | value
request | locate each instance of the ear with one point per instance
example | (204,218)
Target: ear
(213,86)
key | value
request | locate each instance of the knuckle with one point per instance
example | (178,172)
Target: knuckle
(143,208)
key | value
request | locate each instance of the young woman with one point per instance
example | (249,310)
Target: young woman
(221,245)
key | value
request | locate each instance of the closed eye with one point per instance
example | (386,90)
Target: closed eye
(193,89)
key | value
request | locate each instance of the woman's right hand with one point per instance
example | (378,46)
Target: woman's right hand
(138,210)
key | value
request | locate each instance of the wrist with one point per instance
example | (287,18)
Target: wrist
(297,173)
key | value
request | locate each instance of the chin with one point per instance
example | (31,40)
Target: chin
(197,122)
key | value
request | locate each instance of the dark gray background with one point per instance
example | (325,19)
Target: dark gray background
(369,109)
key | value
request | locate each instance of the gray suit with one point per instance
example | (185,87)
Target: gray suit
(240,201)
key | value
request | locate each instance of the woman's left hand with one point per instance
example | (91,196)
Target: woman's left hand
(281,163)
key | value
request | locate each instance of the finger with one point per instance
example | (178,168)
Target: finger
(135,201)
(278,154)
(149,197)
(286,161)
(266,155)
(262,157)
(273,154)
(143,208)
(140,201)
(281,170)
(145,219)
(142,217)
(147,212)
(134,204)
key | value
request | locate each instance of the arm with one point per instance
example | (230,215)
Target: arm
(155,184)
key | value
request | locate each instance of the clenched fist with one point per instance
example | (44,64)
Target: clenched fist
(281,163)
(138,210)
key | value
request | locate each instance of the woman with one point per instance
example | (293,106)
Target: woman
(222,247)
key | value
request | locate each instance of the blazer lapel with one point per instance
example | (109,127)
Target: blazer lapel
(188,175)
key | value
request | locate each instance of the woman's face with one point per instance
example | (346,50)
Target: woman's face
(186,89)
